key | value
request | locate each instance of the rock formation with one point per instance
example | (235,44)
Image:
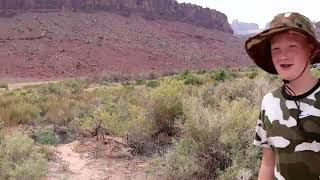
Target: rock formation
(152,9)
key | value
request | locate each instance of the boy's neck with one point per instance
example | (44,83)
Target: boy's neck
(303,84)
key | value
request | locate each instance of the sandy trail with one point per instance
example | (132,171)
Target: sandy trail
(14,86)
(74,165)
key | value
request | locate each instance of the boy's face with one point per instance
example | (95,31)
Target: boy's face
(290,52)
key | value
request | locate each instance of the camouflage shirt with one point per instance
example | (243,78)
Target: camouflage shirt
(292,134)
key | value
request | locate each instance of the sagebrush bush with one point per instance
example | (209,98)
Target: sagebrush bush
(251,89)
(222,75)
(192,79)
(3,85)
(17,109)
(19,159)
(76,86)
(141,131)
(204,127)
(47,137)
(153,83)
(253,73)
(180,162)
(220,137)
(315,72)
(141,82)
(239,119)
(241,88)
(51,88)
(166,105)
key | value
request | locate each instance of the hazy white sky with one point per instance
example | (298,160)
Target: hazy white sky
(260,11)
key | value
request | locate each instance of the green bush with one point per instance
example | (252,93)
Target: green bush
(16,110)
(76,86)
(19,159)
(203,127)
(3,85)
(238,132)
(253,73)
(180,162)
(166,105)
(222,75)
(47,137)
(141,131)
(61,111)
(51,88)
(192,80)
(153,83)
(218,139)
(315,72)
(141,82)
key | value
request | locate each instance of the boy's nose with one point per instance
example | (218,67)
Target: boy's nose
(283,56)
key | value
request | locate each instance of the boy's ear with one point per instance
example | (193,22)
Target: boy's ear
(313,51)
(311,48)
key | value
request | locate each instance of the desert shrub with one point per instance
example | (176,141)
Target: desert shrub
(47,151)
(76,86)
(253,73)
(218,139)
(241,88)
(251,89)
(61,111)
(141,131)
(51,88)
(141,82)
(19,159)
(47,137)
(109,116)
(17,109)
(153,83)
(3,85)
(192,79)
(239,120)
(180,162)
(315,72)
(243,168)
(166,105)
(204,128)
(1,129)
(222,75)
(184,74)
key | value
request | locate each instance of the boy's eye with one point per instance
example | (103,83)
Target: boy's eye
(292,45)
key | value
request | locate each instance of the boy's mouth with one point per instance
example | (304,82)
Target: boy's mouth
(285,65)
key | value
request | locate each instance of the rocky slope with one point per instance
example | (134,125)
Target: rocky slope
(70,44)
(152,9)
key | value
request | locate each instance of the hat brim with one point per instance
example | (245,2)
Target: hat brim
(258,47)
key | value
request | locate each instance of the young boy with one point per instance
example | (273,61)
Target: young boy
(288,128)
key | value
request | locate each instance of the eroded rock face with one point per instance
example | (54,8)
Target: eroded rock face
(242,28)
(153,9)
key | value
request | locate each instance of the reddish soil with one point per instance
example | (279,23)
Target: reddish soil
(58,45)
(99,161)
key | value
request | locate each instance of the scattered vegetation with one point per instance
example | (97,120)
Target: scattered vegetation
(201,124)
(3,85)
(19,159)
(153,83)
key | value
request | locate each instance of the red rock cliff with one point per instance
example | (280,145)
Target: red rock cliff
(153,9)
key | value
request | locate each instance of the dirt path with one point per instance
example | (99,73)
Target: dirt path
(14,86)
(73,165)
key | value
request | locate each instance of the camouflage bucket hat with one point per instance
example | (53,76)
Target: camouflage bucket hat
(258,46)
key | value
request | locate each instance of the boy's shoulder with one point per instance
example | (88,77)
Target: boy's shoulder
(270,96)
(277,95)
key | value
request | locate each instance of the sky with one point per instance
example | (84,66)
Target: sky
(260,11)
